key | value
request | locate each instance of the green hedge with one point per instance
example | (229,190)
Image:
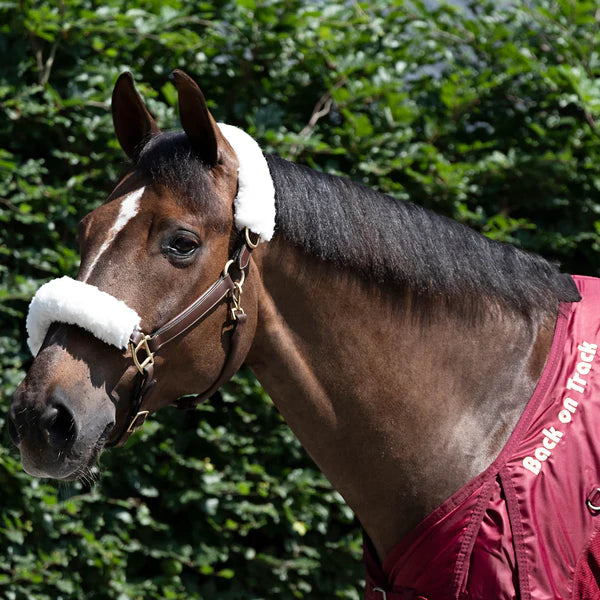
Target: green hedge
(486,114)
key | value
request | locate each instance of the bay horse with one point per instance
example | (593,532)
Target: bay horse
(401,347)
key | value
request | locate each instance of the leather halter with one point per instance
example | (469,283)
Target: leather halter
(224,289)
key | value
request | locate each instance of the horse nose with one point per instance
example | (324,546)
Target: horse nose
(58,425)
(55,421)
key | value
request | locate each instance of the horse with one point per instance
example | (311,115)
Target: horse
(401,347)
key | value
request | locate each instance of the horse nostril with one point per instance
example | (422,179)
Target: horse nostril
(48,417)
(58,423)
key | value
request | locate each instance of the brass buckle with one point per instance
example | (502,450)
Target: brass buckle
(138,421)
(149,360)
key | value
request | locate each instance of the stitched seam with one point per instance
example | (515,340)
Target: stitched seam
(514,516)
(469,538)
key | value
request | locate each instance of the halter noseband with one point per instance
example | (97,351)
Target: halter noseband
(144,347)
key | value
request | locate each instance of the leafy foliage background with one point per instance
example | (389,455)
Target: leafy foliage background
(487,114)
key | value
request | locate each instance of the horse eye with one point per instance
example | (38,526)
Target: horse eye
(183,245)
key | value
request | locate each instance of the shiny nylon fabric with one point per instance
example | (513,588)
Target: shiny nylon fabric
(515,532)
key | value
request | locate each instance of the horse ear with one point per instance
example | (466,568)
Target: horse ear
(132,120)
(196,120)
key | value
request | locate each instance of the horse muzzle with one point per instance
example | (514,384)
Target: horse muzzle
(55,435)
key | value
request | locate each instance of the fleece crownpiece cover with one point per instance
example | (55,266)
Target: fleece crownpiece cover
(254,206)
(77,303)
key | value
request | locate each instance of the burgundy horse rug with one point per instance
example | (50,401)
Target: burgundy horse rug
(527,526)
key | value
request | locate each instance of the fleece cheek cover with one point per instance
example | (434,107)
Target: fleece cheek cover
(68,301)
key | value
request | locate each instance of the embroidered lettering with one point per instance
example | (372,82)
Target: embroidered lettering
(542,454)
(576,383)
(532,465)
(564,416)
(587,347)
(549,445)
(551,435)
(570,404)
(584,368)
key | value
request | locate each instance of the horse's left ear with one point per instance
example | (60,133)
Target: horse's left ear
(133,122)
(196,120)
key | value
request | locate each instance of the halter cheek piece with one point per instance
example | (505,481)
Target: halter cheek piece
(144,347)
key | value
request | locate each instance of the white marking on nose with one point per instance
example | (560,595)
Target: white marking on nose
(129,208)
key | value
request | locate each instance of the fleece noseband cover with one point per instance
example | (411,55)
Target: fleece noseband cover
(76,303)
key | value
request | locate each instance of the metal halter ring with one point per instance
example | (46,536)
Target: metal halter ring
(226,271)
(250,243)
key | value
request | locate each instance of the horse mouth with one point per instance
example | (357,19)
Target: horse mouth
(67,467)
(87,472)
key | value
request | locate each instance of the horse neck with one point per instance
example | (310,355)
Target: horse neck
(397,413)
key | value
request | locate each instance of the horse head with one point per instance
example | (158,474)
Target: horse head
(163,236)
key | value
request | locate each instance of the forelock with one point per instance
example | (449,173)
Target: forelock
(168,159)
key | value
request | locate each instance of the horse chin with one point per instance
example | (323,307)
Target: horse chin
(79,463)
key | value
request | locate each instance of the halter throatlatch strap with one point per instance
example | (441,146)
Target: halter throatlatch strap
(144,347)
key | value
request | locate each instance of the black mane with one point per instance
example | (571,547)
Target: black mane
(419,255)
(431,258)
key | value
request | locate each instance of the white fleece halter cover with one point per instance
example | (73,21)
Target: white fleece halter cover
(77,303)
(254,205)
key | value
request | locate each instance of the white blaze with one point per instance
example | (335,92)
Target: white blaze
(129,208)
